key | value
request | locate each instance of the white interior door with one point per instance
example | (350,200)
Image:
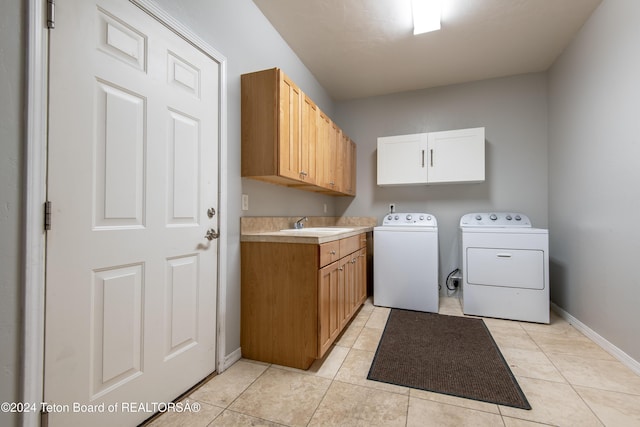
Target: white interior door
(133,171)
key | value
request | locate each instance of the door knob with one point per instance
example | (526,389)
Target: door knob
(212,234)
(211,212)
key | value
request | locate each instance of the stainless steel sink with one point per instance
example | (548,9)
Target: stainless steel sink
(316,230)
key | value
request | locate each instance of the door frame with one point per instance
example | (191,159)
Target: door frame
(35,190)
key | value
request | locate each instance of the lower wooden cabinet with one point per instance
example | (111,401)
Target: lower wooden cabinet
(297,298)
(342,288)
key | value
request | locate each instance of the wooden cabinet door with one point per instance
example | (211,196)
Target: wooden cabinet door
(289,129)
(309,141)
(352,283)
(328,304)
(331,158)
(322,148)
(361,277)
(349,166)
(347,278)
(342,292)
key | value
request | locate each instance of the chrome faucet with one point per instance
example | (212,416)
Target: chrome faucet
(298,224)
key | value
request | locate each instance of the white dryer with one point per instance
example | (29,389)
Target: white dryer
(505,267)
(405,262)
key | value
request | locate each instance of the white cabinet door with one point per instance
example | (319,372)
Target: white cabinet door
(431,158)
(402,159)
(456,156)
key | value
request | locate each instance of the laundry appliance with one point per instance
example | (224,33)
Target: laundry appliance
(405,262)
(505,267)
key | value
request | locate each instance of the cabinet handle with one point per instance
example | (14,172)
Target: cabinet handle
(422,158)
(431,153)
(504,255)
(340,268)
(332,252)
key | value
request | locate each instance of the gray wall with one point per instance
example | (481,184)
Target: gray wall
(594,175)
(12,48)
(239,31)
(513,111)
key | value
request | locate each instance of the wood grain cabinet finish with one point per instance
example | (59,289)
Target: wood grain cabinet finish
(297,298)
(288,140)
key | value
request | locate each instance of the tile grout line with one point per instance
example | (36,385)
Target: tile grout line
(243,392)
(333,378)
(564,377)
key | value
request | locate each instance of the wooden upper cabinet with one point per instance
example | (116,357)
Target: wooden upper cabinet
(287,139)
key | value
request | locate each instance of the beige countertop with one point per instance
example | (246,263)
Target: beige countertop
(304,236)
(316,230)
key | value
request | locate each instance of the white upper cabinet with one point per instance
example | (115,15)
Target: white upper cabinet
(432,158)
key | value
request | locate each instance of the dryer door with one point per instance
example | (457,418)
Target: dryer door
(512,268)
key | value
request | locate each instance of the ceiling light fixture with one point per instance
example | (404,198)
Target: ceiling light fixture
(426,15)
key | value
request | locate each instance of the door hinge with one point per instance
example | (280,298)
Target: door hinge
(51,14)
(44,419)
(47,215)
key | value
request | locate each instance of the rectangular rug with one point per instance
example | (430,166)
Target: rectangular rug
(445,354)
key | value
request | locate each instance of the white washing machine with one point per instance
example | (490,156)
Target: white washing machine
(505,267)
(405,262)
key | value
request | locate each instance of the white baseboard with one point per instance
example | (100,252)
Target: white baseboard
(231,358)
(623,357)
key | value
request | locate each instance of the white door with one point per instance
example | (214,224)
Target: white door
(133,171)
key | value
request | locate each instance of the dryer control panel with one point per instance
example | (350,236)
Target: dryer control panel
(410,219)
(495,219)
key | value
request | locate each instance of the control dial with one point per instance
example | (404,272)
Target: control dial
(493,217)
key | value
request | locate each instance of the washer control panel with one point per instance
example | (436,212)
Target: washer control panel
(495,219)
(410,219)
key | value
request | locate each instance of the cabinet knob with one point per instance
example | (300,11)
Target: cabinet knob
(332,252)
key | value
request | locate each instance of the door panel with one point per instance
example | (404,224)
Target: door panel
(119,163)
(117,334)
(184,173)
(132,170)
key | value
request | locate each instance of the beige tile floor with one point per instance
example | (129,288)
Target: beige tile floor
(568,380)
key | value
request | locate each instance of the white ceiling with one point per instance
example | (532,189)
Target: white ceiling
(361,48)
